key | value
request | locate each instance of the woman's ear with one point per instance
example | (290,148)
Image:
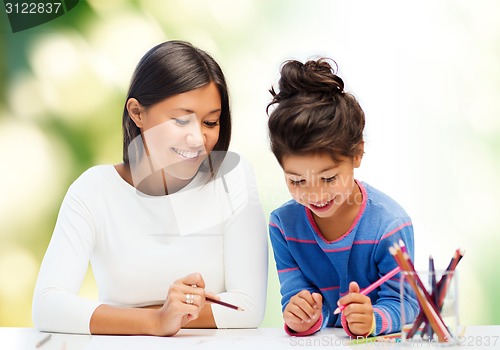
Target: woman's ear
(359,155)
(135,110)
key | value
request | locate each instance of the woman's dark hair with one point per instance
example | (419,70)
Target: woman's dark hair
(313,114)
(168,69)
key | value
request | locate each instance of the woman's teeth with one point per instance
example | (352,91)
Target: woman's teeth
(186,154)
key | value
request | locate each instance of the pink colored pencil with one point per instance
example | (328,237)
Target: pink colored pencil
(372,287)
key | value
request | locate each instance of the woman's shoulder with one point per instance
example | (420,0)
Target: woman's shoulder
(236,170)
(234,161)
(94,177)
(96,172)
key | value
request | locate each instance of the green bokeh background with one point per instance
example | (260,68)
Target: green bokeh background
(427,74)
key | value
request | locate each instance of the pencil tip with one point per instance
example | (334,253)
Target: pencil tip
(241,309)
(337,310)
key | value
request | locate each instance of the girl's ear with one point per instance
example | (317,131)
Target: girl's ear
(135,110)
(357,158)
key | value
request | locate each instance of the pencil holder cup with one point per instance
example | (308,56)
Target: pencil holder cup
(435,293)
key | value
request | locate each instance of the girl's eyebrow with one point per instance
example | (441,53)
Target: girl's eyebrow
(319,172)
(328,169)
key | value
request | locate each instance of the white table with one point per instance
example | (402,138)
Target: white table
(475,337)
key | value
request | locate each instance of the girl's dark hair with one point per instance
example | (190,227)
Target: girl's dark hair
(168,69)
(313,114)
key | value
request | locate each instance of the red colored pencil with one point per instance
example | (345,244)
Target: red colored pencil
(231,306)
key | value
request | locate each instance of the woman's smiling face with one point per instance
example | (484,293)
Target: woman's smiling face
(180,131)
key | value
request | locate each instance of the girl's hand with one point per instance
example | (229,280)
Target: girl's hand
(185,299)
(358,312)
(303,310)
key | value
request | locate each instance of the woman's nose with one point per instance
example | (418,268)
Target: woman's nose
(194,137)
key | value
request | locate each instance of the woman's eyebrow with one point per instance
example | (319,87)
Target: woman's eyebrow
(190,111)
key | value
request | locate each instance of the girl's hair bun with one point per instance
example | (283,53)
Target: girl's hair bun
(312,114)
(315,76)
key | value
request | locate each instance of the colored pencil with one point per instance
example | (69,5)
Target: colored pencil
(445,282)
(372,286)
(387,338)
(222,303)
(442,287)
(43,340)
(423,297)
(411,268)
(402,245)
(434,292)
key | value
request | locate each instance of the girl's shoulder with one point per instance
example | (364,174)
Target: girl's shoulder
(381,202)
(288,209)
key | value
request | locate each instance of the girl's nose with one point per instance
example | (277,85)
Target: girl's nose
(315,194)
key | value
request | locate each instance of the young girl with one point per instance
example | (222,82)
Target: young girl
(333,238)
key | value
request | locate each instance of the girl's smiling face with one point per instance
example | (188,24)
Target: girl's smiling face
(320,183)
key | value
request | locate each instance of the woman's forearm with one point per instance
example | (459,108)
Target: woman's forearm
(204,320)
(108,319)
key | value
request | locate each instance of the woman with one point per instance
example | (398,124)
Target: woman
(177,221)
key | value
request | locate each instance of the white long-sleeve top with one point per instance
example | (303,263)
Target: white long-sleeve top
(138,245)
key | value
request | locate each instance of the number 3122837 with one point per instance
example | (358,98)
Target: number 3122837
(33,7)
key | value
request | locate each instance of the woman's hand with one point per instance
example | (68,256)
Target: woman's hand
(185,299)
(303,310)
(358,312)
